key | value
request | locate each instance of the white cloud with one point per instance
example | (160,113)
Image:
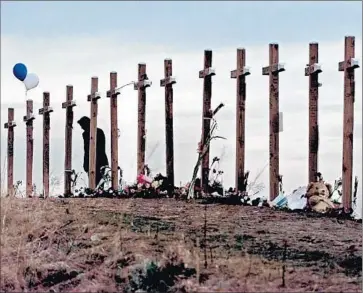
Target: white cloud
(63,61)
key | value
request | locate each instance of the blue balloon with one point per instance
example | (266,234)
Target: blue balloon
(20,71)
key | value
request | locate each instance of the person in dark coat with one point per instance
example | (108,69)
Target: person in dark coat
(101,157)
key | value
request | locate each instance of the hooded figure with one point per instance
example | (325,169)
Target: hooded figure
(101,157)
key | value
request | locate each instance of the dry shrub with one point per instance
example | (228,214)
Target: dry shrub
(162,276)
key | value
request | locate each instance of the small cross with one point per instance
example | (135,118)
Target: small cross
(28,118)
(274,68)
(241,70)
(350,64)
(9,124)
(112,93)
(207,72)
(70,103)
(143,82)
(167,81)
(311,69)
(46,108)
(93,97)
(168,78)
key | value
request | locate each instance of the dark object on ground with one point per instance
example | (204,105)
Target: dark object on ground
(101,157)
(165,185)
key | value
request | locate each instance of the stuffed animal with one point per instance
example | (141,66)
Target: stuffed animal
(318,195)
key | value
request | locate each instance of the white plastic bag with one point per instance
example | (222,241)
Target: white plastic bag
(297,200)
(280,201)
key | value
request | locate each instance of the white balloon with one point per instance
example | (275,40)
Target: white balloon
(31,81)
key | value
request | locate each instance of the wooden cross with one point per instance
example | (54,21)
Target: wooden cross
(141,85)
(312,70)
(28,119)
(240,74)
(348,66)
(45,111)
(167,82)
(93,98)
(273,71)
(112,94)
(68,105)
(10,127)
(206,74)
(143,80)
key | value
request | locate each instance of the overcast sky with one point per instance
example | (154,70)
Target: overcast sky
(69,42)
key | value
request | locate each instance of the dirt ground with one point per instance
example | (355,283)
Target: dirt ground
(104,245)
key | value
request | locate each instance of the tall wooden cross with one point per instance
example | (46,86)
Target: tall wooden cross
(68,105)
(348,66)
(28,119)
(240,74)
(206,74)
(141,85)
(112,94)
(167,82)
(312,70)
(93,98)
(10,127)
(45,111)
(273,71)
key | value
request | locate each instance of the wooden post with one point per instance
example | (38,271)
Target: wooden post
(112,94)
(273,71)
(312,70)
(28,119)
(206,74)
(93,98)
(45,111)
(10,127)
(240,74)
(348,66)
(68,105)
(140,86)
(167,83)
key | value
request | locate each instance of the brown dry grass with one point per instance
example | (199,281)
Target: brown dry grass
(95,245)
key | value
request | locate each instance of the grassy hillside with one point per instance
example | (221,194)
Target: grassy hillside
(103,245)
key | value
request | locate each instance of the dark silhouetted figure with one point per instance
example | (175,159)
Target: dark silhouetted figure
(101,157)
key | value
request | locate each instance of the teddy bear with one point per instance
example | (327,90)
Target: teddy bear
(318,196)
